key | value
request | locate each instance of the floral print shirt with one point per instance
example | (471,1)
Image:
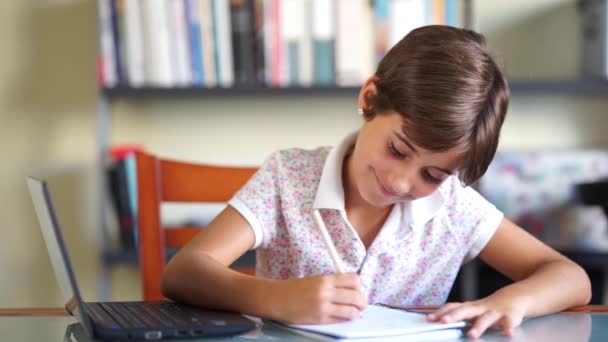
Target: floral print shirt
(413,260)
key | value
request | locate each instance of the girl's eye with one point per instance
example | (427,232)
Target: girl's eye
(431,178)
(395,152)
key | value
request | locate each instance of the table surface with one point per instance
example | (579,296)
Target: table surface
(589,323)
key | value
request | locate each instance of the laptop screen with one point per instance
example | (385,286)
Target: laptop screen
(51,233)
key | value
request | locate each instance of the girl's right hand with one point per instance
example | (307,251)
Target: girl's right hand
(318,300)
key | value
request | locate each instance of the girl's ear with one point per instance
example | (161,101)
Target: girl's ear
(368,91)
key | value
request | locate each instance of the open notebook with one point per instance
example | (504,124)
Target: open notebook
(381,323)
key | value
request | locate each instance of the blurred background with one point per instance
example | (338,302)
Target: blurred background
(50,92)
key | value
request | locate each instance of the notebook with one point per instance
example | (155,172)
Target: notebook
(381,323)
(134,320)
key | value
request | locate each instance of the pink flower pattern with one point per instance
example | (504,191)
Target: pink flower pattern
(405,265)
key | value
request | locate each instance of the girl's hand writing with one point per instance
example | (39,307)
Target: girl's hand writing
(319,300)
(500,312)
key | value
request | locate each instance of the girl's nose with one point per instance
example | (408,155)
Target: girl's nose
(400,184)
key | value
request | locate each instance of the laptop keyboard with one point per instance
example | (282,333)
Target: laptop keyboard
(152,314)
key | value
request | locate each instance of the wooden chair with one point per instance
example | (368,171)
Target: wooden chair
(162,180)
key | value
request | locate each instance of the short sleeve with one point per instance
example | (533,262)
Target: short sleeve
(474,218)
(259,201)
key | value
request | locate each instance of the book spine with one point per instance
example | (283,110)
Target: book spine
(106,69)
(353,33)
(124,214)
(131,177)
(278,77)
(241,18)
(117,15)
(223,40)
(180,47)
(381,29)
(134,43)
(194,37)
(404,16)
(259,44)
(305,58)
(323,37)
(452,13)
(207,42)
(438,12)
(158,69)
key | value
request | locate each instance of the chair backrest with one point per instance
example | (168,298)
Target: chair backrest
(162,180)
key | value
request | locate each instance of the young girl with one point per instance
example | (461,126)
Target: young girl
(395,199)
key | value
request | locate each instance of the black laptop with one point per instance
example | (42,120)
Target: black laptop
(135,320)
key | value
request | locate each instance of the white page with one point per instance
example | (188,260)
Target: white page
(378,321)
(452,334)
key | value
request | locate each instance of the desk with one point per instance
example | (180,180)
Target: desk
(589,323)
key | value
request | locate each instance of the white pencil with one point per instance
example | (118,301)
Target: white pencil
(330,246)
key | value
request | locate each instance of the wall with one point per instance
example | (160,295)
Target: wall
(47,103)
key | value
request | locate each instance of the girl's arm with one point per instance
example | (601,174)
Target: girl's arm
(199,274)
(545,282)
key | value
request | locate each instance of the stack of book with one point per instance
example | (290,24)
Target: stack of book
(122,182)
(278,43)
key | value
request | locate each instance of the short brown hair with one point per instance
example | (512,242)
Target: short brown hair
(449,91)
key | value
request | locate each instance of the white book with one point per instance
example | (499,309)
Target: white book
(106,44)
(323,25)
(268,33)
(274,51)
(223,42)
(180,47)
(323,39)
(306,71)
(368,39)
(292,27)
(404,16)
(134,43)
(207,42)
(379,323)
(353,24)
(158,69)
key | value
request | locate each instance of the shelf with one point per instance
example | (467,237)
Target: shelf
(125,92)
(519,87)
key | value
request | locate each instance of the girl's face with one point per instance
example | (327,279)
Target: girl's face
(385,167)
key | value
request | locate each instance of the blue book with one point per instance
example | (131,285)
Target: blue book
(131,173)
(196,48)
(118,41)
(451,13)
(324,62)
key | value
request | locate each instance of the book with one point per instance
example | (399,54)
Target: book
(179,42)
(380,323)
(107,76)
(193,21)
(323,38)
(134,44)
(223,43)
(117,176)
(207,38)
(156,32)
(243,40)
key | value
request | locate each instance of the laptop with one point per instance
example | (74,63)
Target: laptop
(134,320)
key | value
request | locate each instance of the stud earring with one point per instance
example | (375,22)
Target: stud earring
(360,111)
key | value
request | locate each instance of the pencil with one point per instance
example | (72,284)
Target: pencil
(330,245)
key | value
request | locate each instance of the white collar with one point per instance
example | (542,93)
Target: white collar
(330,193)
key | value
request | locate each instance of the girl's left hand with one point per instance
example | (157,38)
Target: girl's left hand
(493,311)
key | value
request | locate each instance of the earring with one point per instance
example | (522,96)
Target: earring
(360,111)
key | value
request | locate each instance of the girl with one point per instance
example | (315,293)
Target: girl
(395,199)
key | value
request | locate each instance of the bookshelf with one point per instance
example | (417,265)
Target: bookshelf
(581,87)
